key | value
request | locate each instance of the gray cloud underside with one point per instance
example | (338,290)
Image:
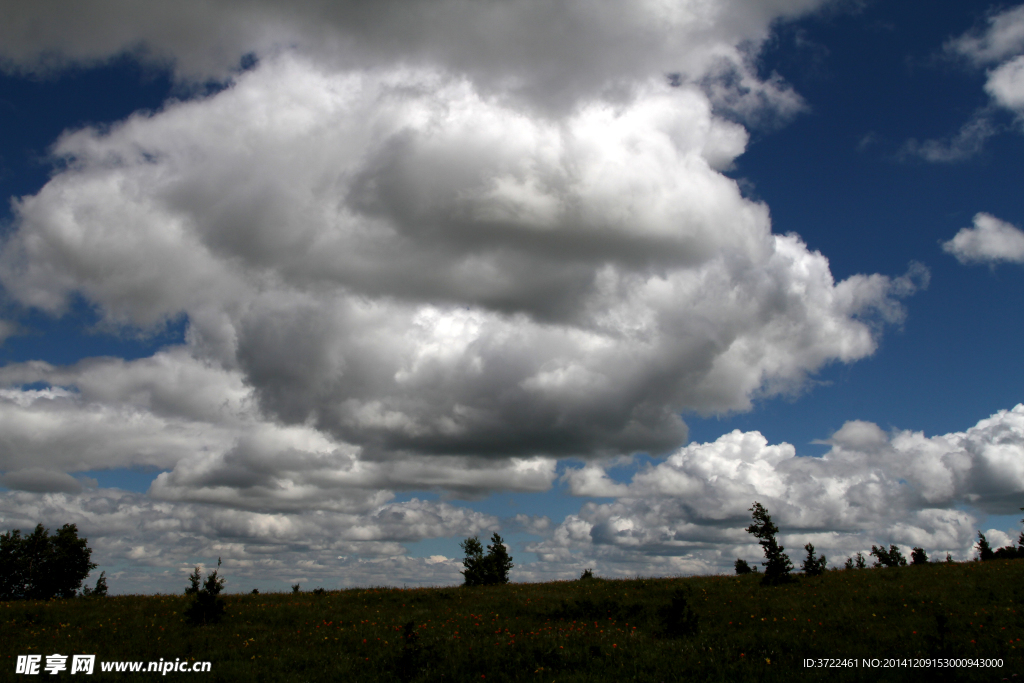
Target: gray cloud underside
(683,515)
(546,53)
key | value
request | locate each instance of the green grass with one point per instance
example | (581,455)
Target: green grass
(597,630)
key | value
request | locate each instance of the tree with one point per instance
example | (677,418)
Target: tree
(984,549)
(777,564)
(814,566)
(742,567)
(40,566)
(207,606)
(888,558)
(485,570)
(918,556)
(100,591)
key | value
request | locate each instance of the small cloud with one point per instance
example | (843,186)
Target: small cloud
(968,142)
(39,480)
(1003,37)
(989,241)
(8,329)
(867,140)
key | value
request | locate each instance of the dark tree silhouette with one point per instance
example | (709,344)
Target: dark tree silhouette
(777,564)
(485,570)
(40,566)
(814,566)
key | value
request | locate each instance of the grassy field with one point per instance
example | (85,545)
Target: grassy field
(716,628)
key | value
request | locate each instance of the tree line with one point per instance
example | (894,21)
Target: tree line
(778,565)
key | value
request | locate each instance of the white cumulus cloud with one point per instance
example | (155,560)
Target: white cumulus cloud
(688,512)
(413,267)
(989,241)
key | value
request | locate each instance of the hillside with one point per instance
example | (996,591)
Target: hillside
(699,628)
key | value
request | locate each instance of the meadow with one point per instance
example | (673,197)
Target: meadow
(706,628)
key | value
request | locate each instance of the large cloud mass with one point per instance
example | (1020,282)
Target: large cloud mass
(414,267)
(436,248)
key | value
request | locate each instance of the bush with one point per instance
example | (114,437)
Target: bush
(859,564)
(587,575)
(295,588)
(814,566)
(918,556)
(485,570)
(677,618)
(888,558)
(1010,552)
(100,591)
(777,564)
(40,566)
(742,567)
(207,606)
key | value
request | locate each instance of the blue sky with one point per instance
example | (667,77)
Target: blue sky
(357,286)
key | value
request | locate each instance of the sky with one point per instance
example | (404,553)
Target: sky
(323,288)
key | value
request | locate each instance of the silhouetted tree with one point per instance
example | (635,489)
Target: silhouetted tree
(207,606)
(984,549)
(100,591)
(918,556)
(888,558)
(814,566)
(40,566)
(485,570)
(777,564)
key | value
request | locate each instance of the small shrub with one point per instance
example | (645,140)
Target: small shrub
(100,591)
(411,660)
(859,563)
(255,591)
(888,558)
(587,575)
(1010,552)
(677,618)
(777,564)
(814,566)
(742,567)
(949,559)
(207,606)
(295,588)
(918,556)
(319,591)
